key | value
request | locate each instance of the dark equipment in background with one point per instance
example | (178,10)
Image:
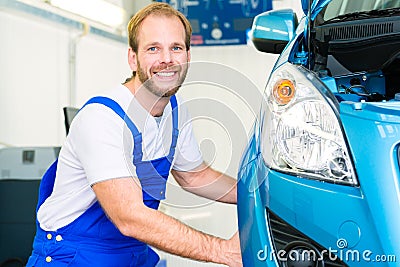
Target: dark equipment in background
(21,170)
(69,114)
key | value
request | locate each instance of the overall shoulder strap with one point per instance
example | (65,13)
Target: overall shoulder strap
(175,125)
(108,102)
(135,132)
(174,107)
(137,136)
(48,179)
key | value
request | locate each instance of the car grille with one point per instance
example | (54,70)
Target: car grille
(283,234)
(360,31)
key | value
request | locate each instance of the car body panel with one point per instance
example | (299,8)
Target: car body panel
(358,223)
(316,6)
(289,195)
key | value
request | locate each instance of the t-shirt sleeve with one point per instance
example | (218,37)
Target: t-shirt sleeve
(187,155)
(102,143)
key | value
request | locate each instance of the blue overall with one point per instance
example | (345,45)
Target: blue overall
(92,239)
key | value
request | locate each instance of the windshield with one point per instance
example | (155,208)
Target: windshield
(338,8)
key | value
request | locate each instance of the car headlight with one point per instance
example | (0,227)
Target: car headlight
(301,133)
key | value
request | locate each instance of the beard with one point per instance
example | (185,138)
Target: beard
(159,90)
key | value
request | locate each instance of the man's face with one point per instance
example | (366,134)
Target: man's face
(162,57)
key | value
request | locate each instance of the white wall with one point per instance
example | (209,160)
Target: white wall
(35,85)
(32,86)
(35,76)
(292,4)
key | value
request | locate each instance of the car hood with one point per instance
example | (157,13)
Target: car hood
(316,6)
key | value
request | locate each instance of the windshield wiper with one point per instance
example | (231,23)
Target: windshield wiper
(384,12)
(349,16)
(365,15)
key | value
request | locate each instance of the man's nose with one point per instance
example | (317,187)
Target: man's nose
(166,56)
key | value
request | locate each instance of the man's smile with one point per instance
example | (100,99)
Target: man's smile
(165,73)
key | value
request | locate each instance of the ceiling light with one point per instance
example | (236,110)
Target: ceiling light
(97,10)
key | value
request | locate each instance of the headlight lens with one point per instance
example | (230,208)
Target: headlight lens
(301,133)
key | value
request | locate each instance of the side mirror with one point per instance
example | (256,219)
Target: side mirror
(272,30)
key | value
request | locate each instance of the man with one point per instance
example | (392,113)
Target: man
(98,203)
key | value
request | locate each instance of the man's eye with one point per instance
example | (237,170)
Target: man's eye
(152,49)
(177,48)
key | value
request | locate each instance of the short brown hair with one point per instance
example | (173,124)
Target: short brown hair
(156,8)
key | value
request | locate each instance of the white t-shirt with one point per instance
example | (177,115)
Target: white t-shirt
(99,147)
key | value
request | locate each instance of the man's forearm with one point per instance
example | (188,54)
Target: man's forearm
(208,183)
(222,189)
(122,200)
(168,234)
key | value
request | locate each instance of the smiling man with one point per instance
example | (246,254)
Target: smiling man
(160,56)
(98,203)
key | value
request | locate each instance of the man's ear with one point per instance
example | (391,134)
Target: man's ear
(132,59)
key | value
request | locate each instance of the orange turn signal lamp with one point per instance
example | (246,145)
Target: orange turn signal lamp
(283,91)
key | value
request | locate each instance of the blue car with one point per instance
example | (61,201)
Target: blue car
(319,180)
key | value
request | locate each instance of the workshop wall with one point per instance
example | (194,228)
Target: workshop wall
(35,76)
(46,66)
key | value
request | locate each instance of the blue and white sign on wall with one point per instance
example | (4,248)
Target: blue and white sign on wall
(220,22)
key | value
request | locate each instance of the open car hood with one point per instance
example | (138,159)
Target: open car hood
(316,6)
